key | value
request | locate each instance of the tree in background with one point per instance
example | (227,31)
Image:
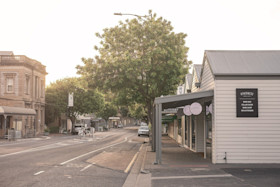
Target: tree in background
(137,111)
(140,59)
(85,100)
(109,110)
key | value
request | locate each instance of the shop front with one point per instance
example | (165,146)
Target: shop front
(16,122)
(237,113)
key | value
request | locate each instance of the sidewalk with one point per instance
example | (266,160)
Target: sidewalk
(182,167)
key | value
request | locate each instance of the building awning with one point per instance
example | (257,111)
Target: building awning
(166,102)
(7,110)
(175,101)
(114,118)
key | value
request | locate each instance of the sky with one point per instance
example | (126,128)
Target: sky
(58,33)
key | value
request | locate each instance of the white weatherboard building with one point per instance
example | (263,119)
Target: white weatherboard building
(239,94)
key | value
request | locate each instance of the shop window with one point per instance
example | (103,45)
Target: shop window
(179,127)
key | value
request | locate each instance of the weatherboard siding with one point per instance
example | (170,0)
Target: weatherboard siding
(244,139)
(195,80)
(207,80)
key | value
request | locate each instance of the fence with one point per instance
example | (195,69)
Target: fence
(13,134)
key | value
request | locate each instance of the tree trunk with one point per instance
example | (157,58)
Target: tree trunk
(150,112)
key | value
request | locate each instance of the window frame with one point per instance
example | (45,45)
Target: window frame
(10,76)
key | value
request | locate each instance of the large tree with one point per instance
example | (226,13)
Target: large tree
(85,100)
(138,60)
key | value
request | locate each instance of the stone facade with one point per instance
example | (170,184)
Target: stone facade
(22,84)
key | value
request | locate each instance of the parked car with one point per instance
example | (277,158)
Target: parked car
(143,124)
(144,130)
(78,127)
(120,125)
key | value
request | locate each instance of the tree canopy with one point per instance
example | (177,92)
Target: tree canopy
(138,60)
(85,100)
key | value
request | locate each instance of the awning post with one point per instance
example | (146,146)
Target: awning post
(154,129)
(158,133)
(5,124)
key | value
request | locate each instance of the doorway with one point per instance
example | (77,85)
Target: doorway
(193,133)
(209,136)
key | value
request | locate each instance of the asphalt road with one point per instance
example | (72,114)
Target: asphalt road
(102,160)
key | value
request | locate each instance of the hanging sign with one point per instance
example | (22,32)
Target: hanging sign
(196,108)
(211,108)
(70,100)
(187,110)
(246,102)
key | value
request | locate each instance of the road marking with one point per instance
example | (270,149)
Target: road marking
(38,173)
(132,161)
(130,164)
(86,167)
(41,148)
(192,177)
(92,152)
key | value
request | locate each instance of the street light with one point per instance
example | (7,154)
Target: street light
(121,14)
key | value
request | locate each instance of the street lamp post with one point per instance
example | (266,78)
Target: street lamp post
(138,16)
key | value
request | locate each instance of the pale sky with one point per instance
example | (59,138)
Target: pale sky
(58,33)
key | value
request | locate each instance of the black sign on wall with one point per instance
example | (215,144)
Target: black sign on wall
(246,102)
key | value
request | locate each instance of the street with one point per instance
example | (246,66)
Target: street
(70,160)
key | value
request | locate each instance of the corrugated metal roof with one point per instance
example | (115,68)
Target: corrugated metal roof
(6,53)
(175,101)
(244,62)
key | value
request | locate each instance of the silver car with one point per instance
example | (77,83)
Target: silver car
(143,130)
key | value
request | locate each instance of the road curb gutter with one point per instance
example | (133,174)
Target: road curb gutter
(136,173)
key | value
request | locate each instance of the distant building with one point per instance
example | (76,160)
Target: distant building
(22,95)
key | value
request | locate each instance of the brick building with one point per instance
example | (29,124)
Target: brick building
(22,95)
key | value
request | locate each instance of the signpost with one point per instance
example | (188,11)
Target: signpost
(246,102)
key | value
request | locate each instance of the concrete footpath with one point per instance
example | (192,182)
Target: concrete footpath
(181,167)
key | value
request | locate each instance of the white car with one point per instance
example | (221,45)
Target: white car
(144,130)
(143,124)
(78,127)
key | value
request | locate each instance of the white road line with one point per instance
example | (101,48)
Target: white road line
(86,167)
(30,150)
(45,147)
(92,152)
(38,173)
(191,177)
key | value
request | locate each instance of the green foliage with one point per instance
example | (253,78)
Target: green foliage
(139,59)
(137,111)
(54,129)
(107,111)
(124,111)
(85,100)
